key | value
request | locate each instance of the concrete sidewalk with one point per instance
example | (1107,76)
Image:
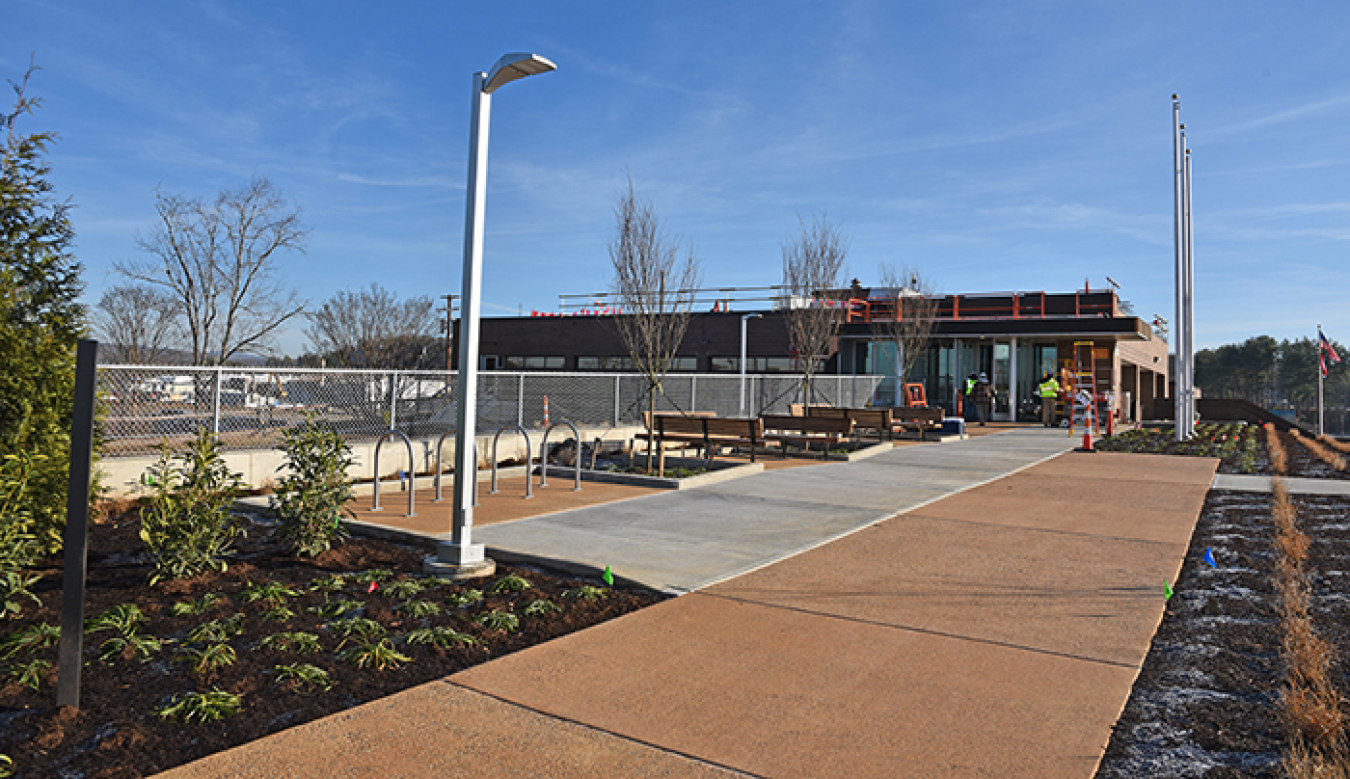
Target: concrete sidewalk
(996,632)
(682,541)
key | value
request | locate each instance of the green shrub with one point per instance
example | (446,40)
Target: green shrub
(312,497)
(18,545)
(188,527)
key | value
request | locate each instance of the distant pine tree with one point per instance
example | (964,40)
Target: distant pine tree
(40,321)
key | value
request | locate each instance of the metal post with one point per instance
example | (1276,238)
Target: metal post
(461,550)
(77,527)
(1189,299)
(693,392)
(393,400)
(744,319)
(520,400)
(1178,223)
(215,404)
(616,399)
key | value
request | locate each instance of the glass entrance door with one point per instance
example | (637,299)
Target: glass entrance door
(1001,377)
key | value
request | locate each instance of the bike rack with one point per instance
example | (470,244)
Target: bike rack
(412,470)
(440,442)
(543,454)
(529,489)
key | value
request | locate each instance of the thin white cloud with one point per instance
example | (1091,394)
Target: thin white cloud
(1312,110)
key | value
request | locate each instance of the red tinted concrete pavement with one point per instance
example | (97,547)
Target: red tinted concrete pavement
(990,644)
(442,730)
(993,633)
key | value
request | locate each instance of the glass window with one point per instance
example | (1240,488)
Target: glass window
(534,363)
(725,363)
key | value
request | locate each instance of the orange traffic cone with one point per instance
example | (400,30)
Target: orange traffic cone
(1087,441)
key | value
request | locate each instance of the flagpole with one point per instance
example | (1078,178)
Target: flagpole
(1321,361)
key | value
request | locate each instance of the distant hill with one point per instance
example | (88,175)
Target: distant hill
(113,354)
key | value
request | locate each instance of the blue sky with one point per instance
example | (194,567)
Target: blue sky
(996,146)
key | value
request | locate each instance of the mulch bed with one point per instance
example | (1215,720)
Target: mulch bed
(116,732)
(1206,700)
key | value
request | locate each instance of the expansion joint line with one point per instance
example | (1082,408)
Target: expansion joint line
(922,631)
(597,729)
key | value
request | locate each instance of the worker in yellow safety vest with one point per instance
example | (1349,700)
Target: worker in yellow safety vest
(1049,389)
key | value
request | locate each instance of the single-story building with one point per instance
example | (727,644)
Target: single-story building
(1014,337)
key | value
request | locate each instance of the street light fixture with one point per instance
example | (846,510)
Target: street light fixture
(462,557)
(744,319)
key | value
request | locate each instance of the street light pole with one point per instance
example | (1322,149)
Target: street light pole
(744,319)
(462,557)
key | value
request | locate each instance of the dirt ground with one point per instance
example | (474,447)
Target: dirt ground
(117,733)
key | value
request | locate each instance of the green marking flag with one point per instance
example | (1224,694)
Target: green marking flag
(1167,590)
(608,577)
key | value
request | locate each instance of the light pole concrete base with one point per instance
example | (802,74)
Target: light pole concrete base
(458,561)
(435,566)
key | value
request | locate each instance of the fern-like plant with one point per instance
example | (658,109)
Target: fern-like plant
(208,658)
(418,609)
(303,677)
(198,606)
(188,528)
(379,655)
(296,641)
(30,639)
(586,592)
(499,620)
(440,636)
(465,597)
(269,593)
(217,630)
(510,583)
(29,673)
(311,499)
(200,706)
(540,607)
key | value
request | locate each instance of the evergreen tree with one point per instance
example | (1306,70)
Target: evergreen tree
(40,320)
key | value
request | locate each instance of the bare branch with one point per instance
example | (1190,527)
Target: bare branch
(220,261)
(372,328)
(652,286)
(813,305)
(904,307)
(142,323)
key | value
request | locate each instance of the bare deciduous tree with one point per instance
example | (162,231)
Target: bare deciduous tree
(141,323)
(654,288)
(813,306)
(372,328)
(219,259)
(909,328)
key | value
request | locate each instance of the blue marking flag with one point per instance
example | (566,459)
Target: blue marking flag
(1209,558)
(608,577)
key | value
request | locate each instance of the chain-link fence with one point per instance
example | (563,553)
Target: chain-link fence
(145,406)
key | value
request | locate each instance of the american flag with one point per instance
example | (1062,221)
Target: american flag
(1325,352)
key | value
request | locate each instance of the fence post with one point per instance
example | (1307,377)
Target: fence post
(693,392)
(520,404)
(215,403)
(393,401)
(616,399)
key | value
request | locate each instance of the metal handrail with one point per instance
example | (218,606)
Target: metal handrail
(412,471)
(440,442)
(529,488)
(543,454)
